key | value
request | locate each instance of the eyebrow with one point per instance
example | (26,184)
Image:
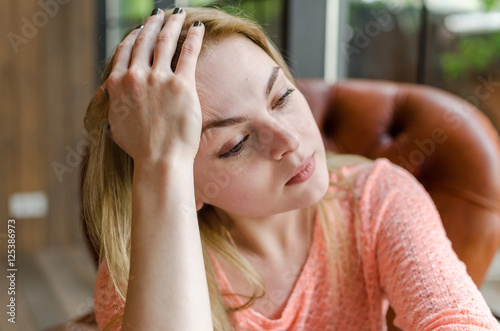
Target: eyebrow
(240,119)
(223,123)
(272,79)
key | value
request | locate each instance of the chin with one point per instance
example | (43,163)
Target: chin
(322,185)
(323,181)
(318,187)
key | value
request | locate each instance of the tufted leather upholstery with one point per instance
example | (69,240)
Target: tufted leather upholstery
(445,142)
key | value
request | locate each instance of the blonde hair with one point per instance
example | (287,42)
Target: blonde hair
(107,180)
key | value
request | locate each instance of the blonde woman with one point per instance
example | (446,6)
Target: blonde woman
(214,206)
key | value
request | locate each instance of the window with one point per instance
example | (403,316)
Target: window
(453,45)
(296,27)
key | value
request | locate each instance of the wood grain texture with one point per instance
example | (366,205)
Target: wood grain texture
(46,83)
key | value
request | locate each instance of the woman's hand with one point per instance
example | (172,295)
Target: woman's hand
(155,112)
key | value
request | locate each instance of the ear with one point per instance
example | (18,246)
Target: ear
(198,199)
(199,204)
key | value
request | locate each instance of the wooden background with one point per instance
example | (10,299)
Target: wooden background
(46,83)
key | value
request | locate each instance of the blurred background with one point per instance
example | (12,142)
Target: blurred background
(53,52)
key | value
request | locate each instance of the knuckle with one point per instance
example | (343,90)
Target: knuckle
(113,80)
(189,48)
(165,36)
(157,77)
(130,78)
(174,84)
(133,77)
(123,46)
(141,39)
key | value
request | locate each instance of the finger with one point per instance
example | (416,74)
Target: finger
(146,40)
(191,50)
(166,43)
(121,60)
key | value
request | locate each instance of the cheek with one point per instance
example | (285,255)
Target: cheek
(233,182)
(312,127)
(307,122)
(213,182)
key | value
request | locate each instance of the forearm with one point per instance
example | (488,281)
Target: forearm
(426,284)
(167,287)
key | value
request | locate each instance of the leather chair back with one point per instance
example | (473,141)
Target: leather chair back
(445,142)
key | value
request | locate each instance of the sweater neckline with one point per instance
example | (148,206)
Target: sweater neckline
(293,299)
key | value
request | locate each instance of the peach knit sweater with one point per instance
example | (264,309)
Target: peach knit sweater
(397,252)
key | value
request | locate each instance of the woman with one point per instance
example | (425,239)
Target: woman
(233,219)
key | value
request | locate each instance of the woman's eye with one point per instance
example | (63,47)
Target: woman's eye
(236,149)
(284,98)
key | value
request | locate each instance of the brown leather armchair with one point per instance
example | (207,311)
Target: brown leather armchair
(446,143)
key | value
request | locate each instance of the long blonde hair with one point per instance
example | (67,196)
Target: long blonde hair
(107,179)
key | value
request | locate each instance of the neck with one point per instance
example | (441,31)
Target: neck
(274,238)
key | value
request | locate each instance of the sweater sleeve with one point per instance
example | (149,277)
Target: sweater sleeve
(425,282)
(108,304)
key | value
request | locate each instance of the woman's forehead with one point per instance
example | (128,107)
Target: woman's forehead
(234,69)
(233,57)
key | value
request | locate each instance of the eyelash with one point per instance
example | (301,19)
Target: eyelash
(281,102)
(236,149)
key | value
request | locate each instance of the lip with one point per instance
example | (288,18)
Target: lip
(303,172)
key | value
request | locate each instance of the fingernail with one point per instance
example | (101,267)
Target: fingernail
(139,26)
(197,23)
(177,10)
(155,11)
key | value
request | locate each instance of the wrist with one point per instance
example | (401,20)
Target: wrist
(163,178)
(176,157)
(165,165)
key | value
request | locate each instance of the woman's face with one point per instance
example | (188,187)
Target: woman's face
(261,152)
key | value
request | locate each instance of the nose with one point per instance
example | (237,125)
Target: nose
(280,139)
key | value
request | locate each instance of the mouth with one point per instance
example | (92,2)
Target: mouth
(303,172)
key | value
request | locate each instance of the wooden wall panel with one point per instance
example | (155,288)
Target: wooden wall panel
(22,116)
(46,86)
(80,22)
(6,122)
(30,156)
(56,122)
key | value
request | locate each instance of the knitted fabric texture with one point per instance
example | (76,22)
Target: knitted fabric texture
(397,253)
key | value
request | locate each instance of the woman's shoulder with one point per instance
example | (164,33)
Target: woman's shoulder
(363,171)
(373,179)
